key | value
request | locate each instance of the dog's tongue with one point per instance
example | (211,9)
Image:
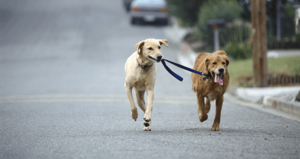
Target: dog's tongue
(218,80)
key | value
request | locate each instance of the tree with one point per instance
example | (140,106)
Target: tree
(259,45)
(271,10)
(185,10)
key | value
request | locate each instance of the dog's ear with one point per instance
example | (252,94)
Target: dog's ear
(139,46)
(163,41)
(207,62)
(227,60)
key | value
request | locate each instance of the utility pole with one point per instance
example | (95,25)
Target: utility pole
(259,43)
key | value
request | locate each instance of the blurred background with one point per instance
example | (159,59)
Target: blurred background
(55,35)
(54,47)
(236,39)
(237,14)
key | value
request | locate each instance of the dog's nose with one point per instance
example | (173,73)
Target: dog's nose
(159,58)
(221,70)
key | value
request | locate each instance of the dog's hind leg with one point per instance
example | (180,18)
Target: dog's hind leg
(219,103)
(134,112)
(207,104)
(140,99)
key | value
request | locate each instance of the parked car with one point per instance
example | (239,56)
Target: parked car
(127,4)
(149,11)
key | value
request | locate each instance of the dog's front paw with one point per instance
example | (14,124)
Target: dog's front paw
(215,127)
(203,117)
(147,123)
(134,114)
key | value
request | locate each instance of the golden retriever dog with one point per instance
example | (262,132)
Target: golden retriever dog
(215,65)
(140,72)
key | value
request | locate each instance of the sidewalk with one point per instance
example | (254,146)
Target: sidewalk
(275,100)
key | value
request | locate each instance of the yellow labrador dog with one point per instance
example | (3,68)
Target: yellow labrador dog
(140,72)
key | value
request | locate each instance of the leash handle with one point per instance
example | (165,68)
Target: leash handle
(180,66)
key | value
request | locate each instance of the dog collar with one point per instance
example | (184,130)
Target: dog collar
(144,67)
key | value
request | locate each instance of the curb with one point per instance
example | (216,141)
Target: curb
(289,108)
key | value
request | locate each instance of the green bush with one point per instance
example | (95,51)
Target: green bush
(185,10)
(236,37)
(236,31)
(238,50)
(216,9)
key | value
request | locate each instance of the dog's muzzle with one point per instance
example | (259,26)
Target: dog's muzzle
(157,59)
(219,76)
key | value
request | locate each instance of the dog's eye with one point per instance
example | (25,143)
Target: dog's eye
(158,47)
(150,48)
(214,63)
(223,63)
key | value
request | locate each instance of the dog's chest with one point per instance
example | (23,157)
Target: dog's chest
(141,82)
(140,85)
(214,93)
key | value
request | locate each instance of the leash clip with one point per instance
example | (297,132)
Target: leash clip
(205,75)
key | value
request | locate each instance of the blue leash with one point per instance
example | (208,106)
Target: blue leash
(180,66)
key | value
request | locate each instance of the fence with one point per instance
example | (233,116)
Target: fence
(283,80)
(286,43)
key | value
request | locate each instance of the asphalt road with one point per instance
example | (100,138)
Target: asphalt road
(62,93)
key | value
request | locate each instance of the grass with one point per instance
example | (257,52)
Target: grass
(242,70)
